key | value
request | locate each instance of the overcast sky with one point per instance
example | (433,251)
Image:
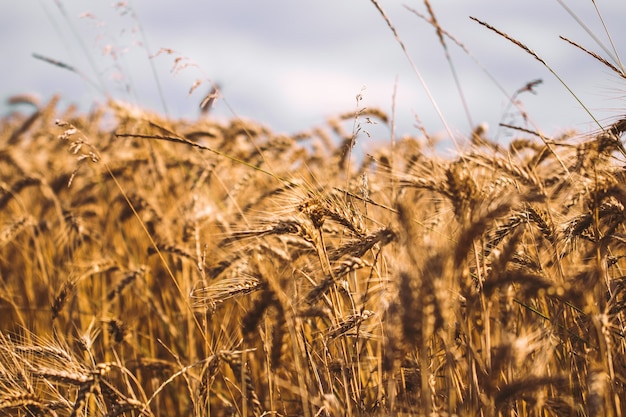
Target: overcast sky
(291,65)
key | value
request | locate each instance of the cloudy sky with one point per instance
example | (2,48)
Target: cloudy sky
(292,64)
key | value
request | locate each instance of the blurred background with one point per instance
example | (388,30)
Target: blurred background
(292,65)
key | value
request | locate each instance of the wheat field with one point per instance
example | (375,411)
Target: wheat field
(158,267)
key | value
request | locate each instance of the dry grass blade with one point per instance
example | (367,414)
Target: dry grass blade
(538,58)
(177,139)
(416,71)
(511,39)
(596,56)
(66,66)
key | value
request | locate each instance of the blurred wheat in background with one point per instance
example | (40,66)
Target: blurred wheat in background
(160,267)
